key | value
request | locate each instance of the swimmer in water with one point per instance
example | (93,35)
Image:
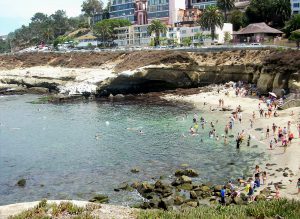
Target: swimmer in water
(141,132)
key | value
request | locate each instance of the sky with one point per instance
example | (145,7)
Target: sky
(15,13)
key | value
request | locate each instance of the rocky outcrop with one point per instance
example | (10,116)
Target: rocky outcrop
(145,71)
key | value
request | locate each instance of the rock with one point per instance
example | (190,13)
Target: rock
(185,179)
(99,199)
(186,186)
(205,189)
(193,195)
(135,185)
(166,203)
(179,200)
(38,90)
(21,183)
(218,188)
(187,172)
(285,174)
(237,200)
(123,186)
(135,170)
(260,197)
(192,204)
(144,188)
(184,165)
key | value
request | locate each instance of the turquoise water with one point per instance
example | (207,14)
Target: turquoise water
(73,151)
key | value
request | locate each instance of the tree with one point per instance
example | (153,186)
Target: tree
(292,25)
(226,6)
(211,19)
(156,27)
(60,23)
(282,12)
(91,7)
(187,41)
(238,19)
(272,12)
(105,29)
(295,36)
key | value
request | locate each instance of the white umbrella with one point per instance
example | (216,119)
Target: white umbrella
(272,94)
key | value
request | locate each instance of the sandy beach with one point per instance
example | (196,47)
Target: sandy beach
(290,159)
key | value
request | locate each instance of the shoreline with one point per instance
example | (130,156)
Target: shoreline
(290,159)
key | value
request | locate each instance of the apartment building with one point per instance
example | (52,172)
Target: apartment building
(137,35)
(202,4)
(295,4)
(123,9)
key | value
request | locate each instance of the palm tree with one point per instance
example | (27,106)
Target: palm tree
(156,27)
(226,5)
(211,19)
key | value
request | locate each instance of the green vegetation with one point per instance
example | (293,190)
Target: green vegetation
(105,29)
(272,12)
(226,6)
(157,27)
(212,18)
(263,209)
(238,19)
(295,36)
(44,211)
(4,46)
(90,8)
(292,25)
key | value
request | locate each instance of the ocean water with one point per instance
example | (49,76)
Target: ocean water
(73,151)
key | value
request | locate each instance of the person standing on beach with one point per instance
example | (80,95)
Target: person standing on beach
(251,123)
(268,132)
(223,194)
(274,127)
(298,127)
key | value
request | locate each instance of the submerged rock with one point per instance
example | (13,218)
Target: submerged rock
(187,172)
(21,183)
(99,199)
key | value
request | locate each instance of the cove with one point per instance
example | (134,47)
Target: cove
(72,151)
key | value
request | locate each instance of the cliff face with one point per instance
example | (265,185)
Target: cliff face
(135,72)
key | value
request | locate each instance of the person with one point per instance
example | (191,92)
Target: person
(251,189)
(264,177)
(298,185)
(248,140)
(238,141)
(268,132)
(225,140)
(253,115)
(274,127)
(271,144)
(240,117)
(223,194)
(226,130)
(251,123)
(277,192)
(291,136)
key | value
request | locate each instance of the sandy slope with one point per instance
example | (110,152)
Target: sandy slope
(290,159)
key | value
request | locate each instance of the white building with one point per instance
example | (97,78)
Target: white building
(174,7)
(295,4)
(136,35)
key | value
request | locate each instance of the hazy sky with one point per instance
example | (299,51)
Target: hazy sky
(15,13)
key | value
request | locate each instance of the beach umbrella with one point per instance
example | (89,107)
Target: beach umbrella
(272,94)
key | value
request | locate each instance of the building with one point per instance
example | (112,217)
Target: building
(86,41)
(188,17)
(141,12)
(256,33)
(158,9)
(295,4)
(202,4)
(137,36)
(123,9)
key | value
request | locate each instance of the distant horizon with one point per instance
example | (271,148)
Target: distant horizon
(12,17)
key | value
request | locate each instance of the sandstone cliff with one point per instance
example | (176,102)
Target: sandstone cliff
(133,72)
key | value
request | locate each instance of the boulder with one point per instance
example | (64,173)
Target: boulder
(179,200)
(186,186)
(21,183)
(38,90)
(237,201)
(193,195)
(135,170)
(166,203)
(185,179)
(193,204)
(99,199)
(205,189)
(187,172)
(260,197)
(144,188)
(218,188)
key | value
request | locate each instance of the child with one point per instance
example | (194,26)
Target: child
(223,194)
